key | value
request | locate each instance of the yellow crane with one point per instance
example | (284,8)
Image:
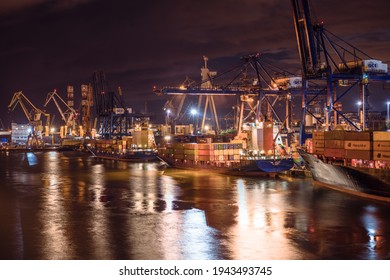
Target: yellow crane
(68,115)
(33,115)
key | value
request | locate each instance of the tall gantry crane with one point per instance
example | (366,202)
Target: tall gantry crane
(68,115)
(113,118)
(33,115)
(258,85)
(327,58)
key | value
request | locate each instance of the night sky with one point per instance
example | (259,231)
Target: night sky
(48,44)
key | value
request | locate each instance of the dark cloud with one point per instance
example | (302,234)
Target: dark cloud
(50,44)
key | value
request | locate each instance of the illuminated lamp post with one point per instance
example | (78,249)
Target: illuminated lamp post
(193,113)
(52,135)
(359,104)
(167,117)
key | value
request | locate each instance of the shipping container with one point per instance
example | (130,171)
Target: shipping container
(381,135)
(318,143)
(191,157)
(334,135)
(204,157)
(379,155)
(334,152)
(334,144)
(309,145)
(204,147)
(190,152)
(318,151)
(358,145)
(358,136)
(179,156)
(190,146)
(179,145)
(356,154)
(318,134)
(205,152)
(381,146)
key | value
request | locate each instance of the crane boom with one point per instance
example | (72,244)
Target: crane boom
(68,116)
(18,98)
(33,116)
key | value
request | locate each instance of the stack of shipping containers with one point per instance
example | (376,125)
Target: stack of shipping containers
(364,149)
(381,146)
(204,152)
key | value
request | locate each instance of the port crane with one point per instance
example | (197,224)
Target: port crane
(258,84)
(68,115)
(113,119)
(33,115)
(327,58)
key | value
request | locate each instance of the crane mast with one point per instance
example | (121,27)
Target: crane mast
(327,58)
(68,116)
(33,116)
(306,34)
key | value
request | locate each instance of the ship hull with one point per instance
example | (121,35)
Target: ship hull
(137,156)
(346,179)
(247,169)
(270,165)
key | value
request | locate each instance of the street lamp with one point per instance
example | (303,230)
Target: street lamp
(52,135)
(167,119)
(193,113)
(359,103)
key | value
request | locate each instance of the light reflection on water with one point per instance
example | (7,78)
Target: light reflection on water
(55,194)
(71,206)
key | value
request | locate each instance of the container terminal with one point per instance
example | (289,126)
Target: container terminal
(263,126)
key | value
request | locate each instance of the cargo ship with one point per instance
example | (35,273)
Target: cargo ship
(352,162)
(133,155)
(137,147)
(231,158)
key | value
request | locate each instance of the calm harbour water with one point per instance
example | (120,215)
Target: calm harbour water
(66,205)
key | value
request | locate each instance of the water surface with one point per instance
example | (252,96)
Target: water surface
(66,205)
